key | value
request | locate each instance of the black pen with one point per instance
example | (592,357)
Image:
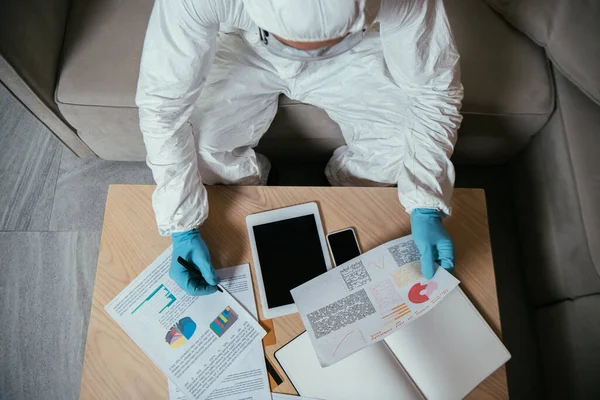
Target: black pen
(193,270)
(273,372)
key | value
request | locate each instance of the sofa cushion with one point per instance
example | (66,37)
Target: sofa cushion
(112,132)
(300,132)
(102,52)
(569,31)
(508,94)
(557,194)
(569,339)
(31,39)
(507,83)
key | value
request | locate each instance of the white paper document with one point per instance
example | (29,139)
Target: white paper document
(280,396)
(194,340)
(175,394)
(247,379)
(441,356)
(368,298)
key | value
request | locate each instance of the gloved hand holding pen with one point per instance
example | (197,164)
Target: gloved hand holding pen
(191,248)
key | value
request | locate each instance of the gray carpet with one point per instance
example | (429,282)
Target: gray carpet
(82,187)
(51,210)
(47,282)
(29,159)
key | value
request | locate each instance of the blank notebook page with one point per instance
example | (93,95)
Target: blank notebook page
(450,350)
(372,373)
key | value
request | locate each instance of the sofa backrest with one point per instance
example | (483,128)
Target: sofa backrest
(31,40)
(568,29)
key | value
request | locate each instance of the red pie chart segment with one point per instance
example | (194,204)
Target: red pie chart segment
(420,293)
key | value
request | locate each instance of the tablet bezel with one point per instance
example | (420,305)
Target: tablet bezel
(274,216)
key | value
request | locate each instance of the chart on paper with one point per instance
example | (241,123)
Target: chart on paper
(368,298)
(156,303)
(181,332)
(224,321)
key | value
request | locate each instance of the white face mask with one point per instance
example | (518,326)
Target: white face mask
(280,49)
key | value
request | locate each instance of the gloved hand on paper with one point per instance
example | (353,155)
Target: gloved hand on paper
(432,240)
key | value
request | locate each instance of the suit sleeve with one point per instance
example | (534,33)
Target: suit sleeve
(421,56)
(177,55)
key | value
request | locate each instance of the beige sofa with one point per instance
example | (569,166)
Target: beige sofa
(508,91)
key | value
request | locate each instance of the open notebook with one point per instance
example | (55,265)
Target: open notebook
(443,355)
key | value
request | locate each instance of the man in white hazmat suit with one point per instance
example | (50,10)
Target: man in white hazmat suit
(206,97)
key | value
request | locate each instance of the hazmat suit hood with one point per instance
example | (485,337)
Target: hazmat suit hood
(312,20)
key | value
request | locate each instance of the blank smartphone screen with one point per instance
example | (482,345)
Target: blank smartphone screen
(343,246)
(290,253)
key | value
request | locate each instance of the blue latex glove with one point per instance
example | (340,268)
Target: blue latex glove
(432,240)
(190,246)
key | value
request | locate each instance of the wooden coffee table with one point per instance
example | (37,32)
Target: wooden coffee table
(115,368)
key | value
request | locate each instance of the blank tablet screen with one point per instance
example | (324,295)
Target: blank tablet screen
(290,253)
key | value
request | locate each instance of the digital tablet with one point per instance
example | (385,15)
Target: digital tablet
(288,248)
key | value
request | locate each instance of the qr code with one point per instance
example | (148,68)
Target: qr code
(355,275)
(343,312)
(405,253)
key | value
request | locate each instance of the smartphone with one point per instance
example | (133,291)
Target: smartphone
(343,246)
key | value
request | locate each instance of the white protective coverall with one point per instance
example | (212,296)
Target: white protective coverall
(206,97)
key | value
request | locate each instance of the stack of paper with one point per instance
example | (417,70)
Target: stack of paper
(421,339)
(367,299)
(208,346)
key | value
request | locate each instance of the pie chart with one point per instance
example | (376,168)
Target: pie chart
(180,332)
(420,293)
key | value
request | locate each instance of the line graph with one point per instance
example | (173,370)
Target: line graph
(380,264)
(357,331)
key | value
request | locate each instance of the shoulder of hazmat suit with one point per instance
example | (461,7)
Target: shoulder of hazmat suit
(178,53)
